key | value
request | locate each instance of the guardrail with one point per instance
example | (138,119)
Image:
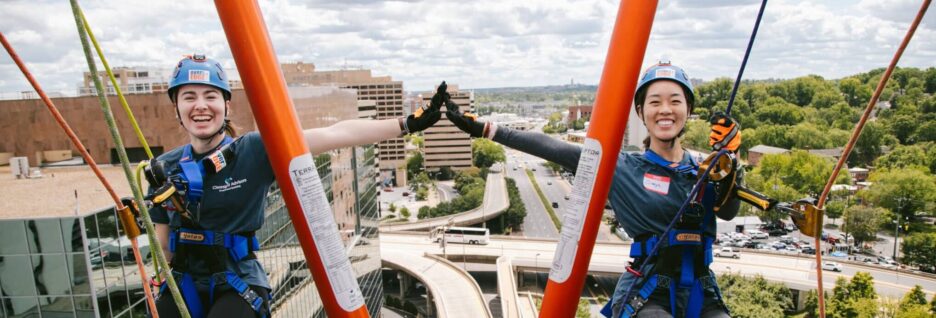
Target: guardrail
(507,287)
(494,179)
(467,276)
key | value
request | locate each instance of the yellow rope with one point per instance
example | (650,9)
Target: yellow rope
(83,32)
(123,101)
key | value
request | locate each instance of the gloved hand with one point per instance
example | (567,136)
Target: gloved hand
(425,117)
(725,132)
(466,121)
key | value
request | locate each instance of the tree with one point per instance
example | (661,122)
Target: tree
(855,298)
(903,191)
(405,212)
(868,146)
(919,250)
(863,222)
(414,164)
(906,157)
(422,194)
(712,92)
(903,127)
(696,135)
(855,92)
(754,297)
(516,212)
(424,212)
(805,172)
(780,113)
(417,141)
(914,297)
(485,153)
(392,207)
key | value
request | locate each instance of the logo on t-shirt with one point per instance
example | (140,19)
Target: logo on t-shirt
(655,183)
(229,184)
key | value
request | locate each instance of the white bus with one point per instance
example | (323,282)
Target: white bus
(467,235)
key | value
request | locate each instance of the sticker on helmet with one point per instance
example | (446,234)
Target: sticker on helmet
(665,72)
(198,75)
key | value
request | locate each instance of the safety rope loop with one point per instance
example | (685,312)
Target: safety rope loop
(747,53)
(682,209)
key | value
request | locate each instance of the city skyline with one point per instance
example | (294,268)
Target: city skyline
(479,44)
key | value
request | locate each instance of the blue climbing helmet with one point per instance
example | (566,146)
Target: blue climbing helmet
(664,70)
(197,69)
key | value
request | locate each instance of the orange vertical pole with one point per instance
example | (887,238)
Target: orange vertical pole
(289,155)
(599,157)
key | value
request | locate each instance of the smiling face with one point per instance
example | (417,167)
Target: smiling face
(665,110)
(201,109)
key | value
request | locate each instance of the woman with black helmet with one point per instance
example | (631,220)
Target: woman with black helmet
(210,240)
(646,193)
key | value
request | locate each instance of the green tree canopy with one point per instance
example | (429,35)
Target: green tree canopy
(919,250)
(805,172)
(754,297)
(778,112)
(856,93)
(903,191)
(485,153)
(863,222)
(414,164)
(914,297)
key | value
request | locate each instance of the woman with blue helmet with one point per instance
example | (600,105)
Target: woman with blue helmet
(646,193)
(208,232)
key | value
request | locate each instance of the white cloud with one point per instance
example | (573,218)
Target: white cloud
(485,43)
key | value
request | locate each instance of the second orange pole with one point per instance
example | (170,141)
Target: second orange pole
(289,155)
(599,157)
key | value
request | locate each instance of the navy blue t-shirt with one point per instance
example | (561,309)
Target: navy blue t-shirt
(232,202)
(646,196)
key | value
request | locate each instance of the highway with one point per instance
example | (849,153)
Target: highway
(495,202)
(537,222)
(795,272)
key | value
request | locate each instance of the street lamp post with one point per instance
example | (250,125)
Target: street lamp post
(900,202)
(536,268)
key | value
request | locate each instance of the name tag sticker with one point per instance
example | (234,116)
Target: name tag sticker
(655,183)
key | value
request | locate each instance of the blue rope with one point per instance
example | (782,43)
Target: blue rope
(747,53)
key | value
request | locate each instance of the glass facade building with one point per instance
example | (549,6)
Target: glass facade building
(83,266)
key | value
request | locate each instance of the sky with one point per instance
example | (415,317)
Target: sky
(475,44)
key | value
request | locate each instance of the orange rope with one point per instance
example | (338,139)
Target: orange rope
(87,157)
(854,138)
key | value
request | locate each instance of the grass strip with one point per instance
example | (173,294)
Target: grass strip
(546,203)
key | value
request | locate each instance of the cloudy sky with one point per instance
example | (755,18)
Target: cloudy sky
(476,44)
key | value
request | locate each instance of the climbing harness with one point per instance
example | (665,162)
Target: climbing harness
(181,192)
(680,257)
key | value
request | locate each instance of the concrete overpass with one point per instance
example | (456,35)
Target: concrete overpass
(519,254)
(495,202)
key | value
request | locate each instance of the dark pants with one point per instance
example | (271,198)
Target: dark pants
(227,304)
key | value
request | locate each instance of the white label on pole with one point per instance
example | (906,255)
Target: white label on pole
(574,217)
(321,222)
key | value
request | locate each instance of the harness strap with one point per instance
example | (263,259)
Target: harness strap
(692,167)
(239,247)
(193,172)
(190,295)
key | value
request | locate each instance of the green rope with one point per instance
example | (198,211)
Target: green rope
(126,107)
(125,164)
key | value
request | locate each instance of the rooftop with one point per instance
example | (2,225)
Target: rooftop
(765,149)
(54,195)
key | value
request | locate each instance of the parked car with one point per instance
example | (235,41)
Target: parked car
(755,234)
(750,244)
(728,252)
(548,182)
(832,266)
(809,250)
(555,205)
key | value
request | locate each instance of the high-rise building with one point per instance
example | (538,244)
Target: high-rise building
(445,145)
(387,93)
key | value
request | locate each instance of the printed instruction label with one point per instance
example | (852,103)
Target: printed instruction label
(574,217)
(321,222)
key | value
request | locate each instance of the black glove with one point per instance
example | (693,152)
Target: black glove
(466,121)
(440,96)
(725,132)
(425,117)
